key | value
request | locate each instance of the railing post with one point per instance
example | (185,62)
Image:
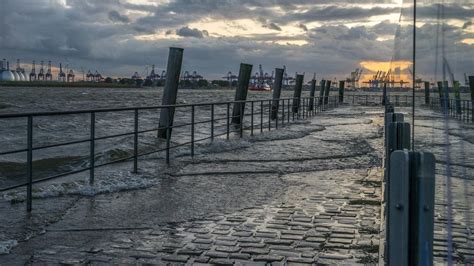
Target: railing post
(135,143)
(283,112)
(297,94)
(269,115)
(241,93)
(192,130)
(261,116)
(212,122)
(288,105)
(92,150)
(471,86)
(411,208)
(29,165)
(228,120)
(170,92)
(277,92)
(384,95)
(168,142)
(251,118)
(327,92)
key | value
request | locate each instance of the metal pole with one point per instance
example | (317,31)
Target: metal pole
(175,60)
(269,115)
(135,143)
(471,86)
(212,122)
(29,162)
(192,131)
(251,118)
(414,77)
(92,150)
(228,120)
(261,116)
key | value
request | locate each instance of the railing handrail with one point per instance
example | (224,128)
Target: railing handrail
(104,110)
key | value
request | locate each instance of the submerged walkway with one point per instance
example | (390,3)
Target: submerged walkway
(307,193)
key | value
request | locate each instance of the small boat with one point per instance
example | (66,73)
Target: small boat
(260,87)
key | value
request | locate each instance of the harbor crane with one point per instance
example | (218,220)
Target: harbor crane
(61,74)
(41,73)
(33,71)
(49,74)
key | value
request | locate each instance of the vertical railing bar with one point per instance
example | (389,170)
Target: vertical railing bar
(241,119)
(212,122)
(135,143)
(261,116)
(192,130)
(29,162)
(283,113)
(269,115)
(168,141)
(251,117)
(92,150)
(228,123)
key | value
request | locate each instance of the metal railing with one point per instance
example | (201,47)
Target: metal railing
(259,111)
(458,109)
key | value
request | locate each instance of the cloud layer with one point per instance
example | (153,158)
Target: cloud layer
(119,37)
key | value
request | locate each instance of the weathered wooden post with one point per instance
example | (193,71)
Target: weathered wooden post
(175,59)
(440,92)
(457,96)
(411,208)
(471,85)
(321,91)
(384,96)
(427,93)
(297,93)
(241,93)
(277,91)
(341,91)
(446,95)
(312,91)
(327,91)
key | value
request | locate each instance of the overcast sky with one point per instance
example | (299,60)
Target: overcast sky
(329,37)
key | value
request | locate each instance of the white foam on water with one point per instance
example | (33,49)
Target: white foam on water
(114,182)
(6,246)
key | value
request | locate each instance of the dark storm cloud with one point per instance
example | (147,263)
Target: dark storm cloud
(467,25)
(116,17)
(189,32)
(302,26)
(272,26)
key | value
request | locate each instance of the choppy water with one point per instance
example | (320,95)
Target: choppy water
(59,129)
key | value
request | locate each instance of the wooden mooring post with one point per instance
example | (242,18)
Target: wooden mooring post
(297,93)
(341,91)
(327,91)
(427,92)
(277,91)
(322,87)
(312,91)
(241,93)
(173,70)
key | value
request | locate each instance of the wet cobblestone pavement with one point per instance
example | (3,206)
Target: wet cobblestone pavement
(312,198)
